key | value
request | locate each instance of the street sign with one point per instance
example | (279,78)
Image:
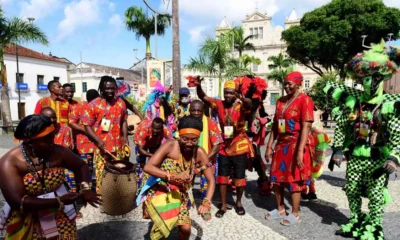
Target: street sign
(42,87)
(22,86)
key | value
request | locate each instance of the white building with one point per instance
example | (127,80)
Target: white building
(35,71)
(87,76)
(267,41)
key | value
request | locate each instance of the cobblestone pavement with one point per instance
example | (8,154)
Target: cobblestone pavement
(319,220)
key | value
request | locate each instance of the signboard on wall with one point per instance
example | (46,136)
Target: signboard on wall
(155,72)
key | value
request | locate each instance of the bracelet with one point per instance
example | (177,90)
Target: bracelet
(206,203)
(60,204)
(85,186)
(21,207)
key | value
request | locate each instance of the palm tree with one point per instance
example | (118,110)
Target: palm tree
(240,42)
(14,31)
(281,66)
(138,22)
(213,58)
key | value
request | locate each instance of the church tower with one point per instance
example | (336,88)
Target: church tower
(292,20)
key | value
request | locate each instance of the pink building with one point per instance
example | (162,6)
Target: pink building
(393,85)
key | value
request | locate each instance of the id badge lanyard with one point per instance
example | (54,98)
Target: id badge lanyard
(281,123)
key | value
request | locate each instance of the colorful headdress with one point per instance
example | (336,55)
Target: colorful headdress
(251,87)
(230,84)
(295,77)
(157,92)
(41,134)
(377,60)
(123,89)
(194,80)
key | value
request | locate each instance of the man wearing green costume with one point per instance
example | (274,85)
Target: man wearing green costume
(368,132)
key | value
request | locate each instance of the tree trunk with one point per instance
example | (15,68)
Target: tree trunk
(148,49)
(220,85)
(5,98)
(176,51)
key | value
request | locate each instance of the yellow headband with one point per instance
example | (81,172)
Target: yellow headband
(43,133)
(229,84)
(189,131)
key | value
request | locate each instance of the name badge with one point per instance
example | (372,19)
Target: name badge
(281,126)
(228,132)
(105,125)
(364,131)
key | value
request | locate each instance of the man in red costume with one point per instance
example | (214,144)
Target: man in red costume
(236,148)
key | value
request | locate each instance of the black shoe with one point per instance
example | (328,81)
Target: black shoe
(304,197)
(312,197)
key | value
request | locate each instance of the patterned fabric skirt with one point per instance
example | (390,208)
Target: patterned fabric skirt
(284,168)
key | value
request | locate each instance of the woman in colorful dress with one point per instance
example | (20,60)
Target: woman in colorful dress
(32,182)
(292,159)
(168,190)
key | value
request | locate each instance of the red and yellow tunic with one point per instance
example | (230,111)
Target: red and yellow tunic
(236,117)
(60,106)
(83,144)
(284,167)
(116,112)
(144,135)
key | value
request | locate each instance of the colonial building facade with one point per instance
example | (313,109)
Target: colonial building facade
(267,41)
(35,71)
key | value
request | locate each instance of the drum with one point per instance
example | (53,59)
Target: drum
(133,120)
(118,189)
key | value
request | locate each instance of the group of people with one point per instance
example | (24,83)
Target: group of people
(215,139)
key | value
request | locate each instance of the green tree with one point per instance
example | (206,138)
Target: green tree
(240,42)
(14,31)
(281,66)
(330,36)
(319,97)
(141,24)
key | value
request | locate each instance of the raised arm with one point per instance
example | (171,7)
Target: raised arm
(133,109)
(202,95)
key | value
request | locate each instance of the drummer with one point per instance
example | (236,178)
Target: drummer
(148,138)
(105,124)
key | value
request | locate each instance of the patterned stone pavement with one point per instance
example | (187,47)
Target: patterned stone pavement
(319,220)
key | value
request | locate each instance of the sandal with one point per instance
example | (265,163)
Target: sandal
(220,213)
(275,214)
(291,220)
(240,211)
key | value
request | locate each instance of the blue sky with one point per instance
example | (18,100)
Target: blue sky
(96,28)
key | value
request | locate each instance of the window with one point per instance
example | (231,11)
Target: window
(84,87)
(251,31)
(260,33)
(255,33)
(40,79)
(274,98)
(56,78)
(73,86)
(20,79)
(307,84)
(255,67)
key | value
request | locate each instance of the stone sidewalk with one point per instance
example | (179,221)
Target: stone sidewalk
(319,219)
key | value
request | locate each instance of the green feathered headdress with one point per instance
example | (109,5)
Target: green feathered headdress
(377,60)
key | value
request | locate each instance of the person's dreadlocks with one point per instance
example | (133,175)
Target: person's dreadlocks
(103,81)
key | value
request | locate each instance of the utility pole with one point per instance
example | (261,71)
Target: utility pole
(176,51)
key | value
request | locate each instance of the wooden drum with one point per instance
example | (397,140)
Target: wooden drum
(118,189)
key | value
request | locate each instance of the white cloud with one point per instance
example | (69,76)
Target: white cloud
(111,6)
(79,14)
(196,34)
(38,8)
(115,22)
(392,3)
(5,1)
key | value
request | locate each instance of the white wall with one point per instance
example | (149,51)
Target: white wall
(31,67)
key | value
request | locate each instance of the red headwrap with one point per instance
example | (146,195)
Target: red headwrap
(295,77)
(245,83)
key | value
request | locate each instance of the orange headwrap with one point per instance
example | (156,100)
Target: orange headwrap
(189,131)
(229,84)
(295,77)
(43,133)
